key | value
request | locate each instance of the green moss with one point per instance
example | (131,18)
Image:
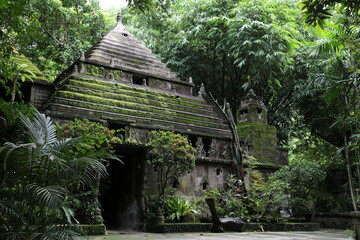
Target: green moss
(255,129)
(117,74)
(94,70)
(126,97)
(160,95)
(103,99)
(160,98)
(129,112)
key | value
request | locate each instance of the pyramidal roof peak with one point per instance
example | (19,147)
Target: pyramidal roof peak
(119,25)
(120,50)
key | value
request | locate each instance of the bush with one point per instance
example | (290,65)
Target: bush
(170,156)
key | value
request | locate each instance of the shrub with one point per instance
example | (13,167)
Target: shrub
(171,155)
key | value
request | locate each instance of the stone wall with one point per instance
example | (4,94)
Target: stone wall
(337,221)
(207,175)
(40,93)
(260,141)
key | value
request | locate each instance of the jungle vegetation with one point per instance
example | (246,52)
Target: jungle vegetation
(301,56)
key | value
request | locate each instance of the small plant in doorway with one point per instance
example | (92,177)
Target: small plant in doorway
(171,155)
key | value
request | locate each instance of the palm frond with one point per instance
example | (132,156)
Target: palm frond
(11,210)
(49,196)
(42,130)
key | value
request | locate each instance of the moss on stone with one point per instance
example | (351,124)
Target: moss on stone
(94,70)
(131,112)
(117,74)
(162,96)
(106,100)
(248,128)
(123,97)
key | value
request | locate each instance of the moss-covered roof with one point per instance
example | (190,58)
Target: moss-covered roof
(137,104)
(21,59)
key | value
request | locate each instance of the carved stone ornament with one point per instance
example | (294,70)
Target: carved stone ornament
(213,153)
(226,153)
(111,76)
(82,57)
(133,134)
(201,90)
(75,69)
(112,62)
(200,151)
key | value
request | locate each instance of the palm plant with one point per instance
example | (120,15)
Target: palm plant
(37,174)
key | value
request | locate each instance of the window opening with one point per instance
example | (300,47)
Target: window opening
(175,183)
(204,185)
(138,80)
(192,140)
(218,171)
(243,112)
(207,142)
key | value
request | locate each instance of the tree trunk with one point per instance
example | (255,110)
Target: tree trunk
(349,175)
(13,94)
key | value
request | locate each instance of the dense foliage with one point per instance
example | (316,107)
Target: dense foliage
(40,178)
(51,33)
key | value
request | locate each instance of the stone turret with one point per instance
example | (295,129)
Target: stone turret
(252,109)
(258,138)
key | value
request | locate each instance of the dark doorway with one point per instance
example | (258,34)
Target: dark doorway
(121,195)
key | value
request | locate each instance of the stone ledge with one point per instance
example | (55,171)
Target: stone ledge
(98,229)
(247,227)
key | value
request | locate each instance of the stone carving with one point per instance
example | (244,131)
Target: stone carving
(142,135)
(82,57)
(133,134)
(191,88)
(144,83)
(112,63)
(213,153)
(75,69)
(138,135)
(226,153)
(119,17)
(201,90)
(111,76)
(82,67)
(200,151)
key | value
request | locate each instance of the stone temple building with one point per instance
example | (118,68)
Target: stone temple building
(122,84)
